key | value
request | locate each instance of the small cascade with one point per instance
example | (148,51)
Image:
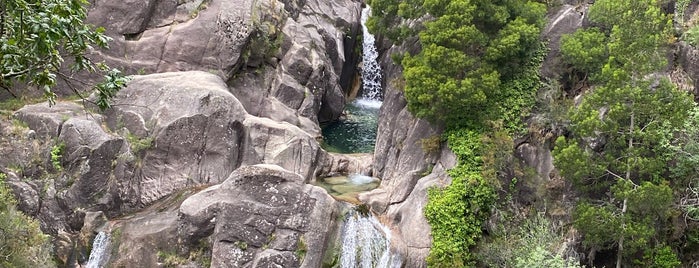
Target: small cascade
(100,251)
(366,243)
(371,70)
(356,131)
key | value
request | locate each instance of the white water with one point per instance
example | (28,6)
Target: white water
(371,70)
(100,251)
(366,243)
(360,179)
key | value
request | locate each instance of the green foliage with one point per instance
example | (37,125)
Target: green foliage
(623,44)
(36,35)
(469,51)
(301,249)
(532,242)
(622,115)
(22,244)
(388,17)
(138,144)
(622,132)
(649,207)
(57,154)
(170,259)
(457,212)
(585,49)
(691,36)
(660,257)
(680,8)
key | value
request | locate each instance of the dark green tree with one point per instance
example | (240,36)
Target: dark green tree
(620,129)
(469,50)
(36,36)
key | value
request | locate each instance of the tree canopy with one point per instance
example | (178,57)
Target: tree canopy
(620,130)
(469,50)
(36,35)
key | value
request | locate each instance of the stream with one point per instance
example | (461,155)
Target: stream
(365,242)
(100,249)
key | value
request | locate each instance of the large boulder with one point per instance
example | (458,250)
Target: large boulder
(261,216)
(289,61)
(161,36)
(185,129)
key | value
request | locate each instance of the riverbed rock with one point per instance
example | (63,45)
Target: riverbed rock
(261,216)
(46,120)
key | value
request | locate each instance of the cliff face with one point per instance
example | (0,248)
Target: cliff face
(222,86)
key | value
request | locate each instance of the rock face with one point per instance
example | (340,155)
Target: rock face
(286,60)
(261,216)
(566,20)
(165,132)
(162,36)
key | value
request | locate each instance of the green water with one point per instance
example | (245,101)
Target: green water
(346,188)
(356,132)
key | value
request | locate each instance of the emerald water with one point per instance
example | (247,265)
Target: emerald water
(347,188)
(355,132)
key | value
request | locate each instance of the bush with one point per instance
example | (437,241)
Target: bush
(22,244)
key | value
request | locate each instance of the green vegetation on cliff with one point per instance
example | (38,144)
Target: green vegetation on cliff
(477,73)
(629,147)
(619,151)
(22,244)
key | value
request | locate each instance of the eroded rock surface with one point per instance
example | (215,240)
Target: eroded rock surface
(291,61)
(261,216)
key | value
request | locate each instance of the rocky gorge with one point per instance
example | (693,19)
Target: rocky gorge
(205,158)
(209,156)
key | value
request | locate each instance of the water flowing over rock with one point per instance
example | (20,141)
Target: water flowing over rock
(355,132)
(371,70)
(100,251)
(366,243)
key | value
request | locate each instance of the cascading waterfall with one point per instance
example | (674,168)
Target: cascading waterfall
(371,70)
(356,132)
(100,251)
(366,243)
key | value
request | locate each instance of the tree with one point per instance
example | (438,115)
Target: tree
(22,244)
(620,129)
(468,51)
(36,35)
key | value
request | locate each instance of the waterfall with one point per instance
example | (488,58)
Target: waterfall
(371,70)
(356,131)
(366,243)
(100,251)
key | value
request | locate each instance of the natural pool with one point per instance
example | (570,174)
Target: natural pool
(356,131)
(347,188)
